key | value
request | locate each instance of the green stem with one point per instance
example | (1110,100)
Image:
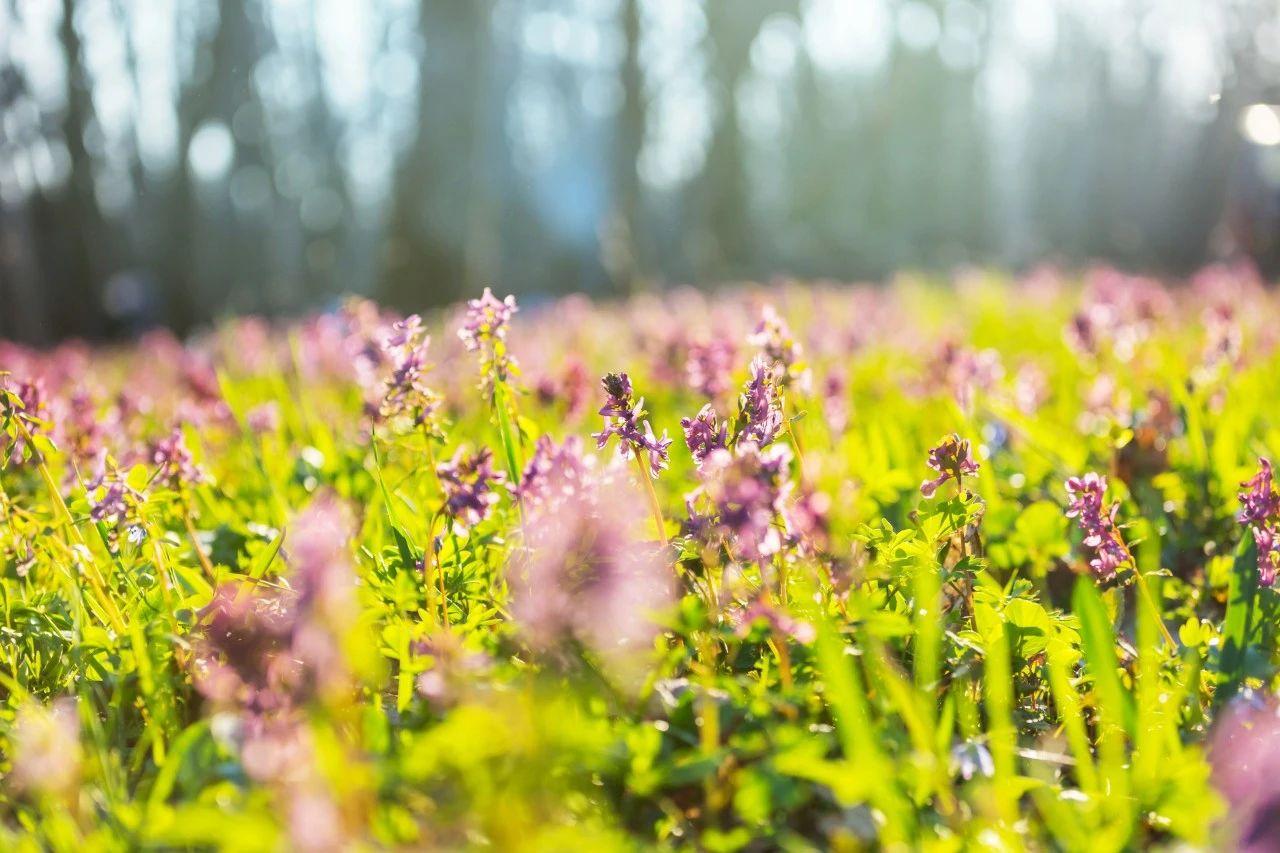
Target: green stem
(654,505)
(1150,600)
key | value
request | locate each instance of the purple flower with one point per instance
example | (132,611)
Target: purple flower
(835,400)
(468,483)
(966,371)
(115,499)
(775,340)
(263,419)
(748,488)
(318,548)
(454,668)
(484,330)
(704,433)
(952,459)
(1260,510)
(1085,503)
(404,394)
(553,474)
(759,406)
(709,365)
(45,748)
(1260,503)
(1268,542)
(624,418)
(1244,752)
(177,468)
(777,619)
(807,520)
(24,402)
(590,577)
(487,320)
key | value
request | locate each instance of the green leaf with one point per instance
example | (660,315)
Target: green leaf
(1240,623)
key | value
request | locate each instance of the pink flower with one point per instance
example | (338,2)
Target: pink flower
(952,459)
(1085,503)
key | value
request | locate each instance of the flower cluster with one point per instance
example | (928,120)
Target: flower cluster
(177,467)
(111,499)
(759,406)
(747,489)
(469,482)
(704,433)
(709,365)
(624,417)
(264,655)
(404,394)
(773,336)
(553,473)
(24,402)
(590,577)
(484,330)
(1085,504)
(952,459)
(1260,511)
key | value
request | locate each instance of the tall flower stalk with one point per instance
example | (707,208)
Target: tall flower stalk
(1111,552)
(484,331)
(1260,513)
(625,418)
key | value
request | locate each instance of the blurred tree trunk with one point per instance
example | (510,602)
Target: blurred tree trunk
(727,249)
(624,250)
(78,268)
(424,257)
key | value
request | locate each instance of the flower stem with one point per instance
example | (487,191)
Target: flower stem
(95,577)
(1145,592)
(195,541)
(653,500)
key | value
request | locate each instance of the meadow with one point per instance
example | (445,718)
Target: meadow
(976,564)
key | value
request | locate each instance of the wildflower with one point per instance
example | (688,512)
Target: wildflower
(468,483)
(952,459)
(264,418)
(1268,545)
(807,519)
(708,366)
(454,667)
(781,622)
(835,400)
(552,474)
(1244,754)
(177,468)
(319,555)
(970,758)
(1260,503)
(965,372)
(1085,503)
(84,430)
(623,417)
(747,488)
(240,658)
(759,406)
(23,402)
(484,330)
(1260,511)
(115,499)
(1223,336)
(487,320)
(46,748)
(775,340)
(590,577)
(404,394)
(704,433)
(1030,389)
